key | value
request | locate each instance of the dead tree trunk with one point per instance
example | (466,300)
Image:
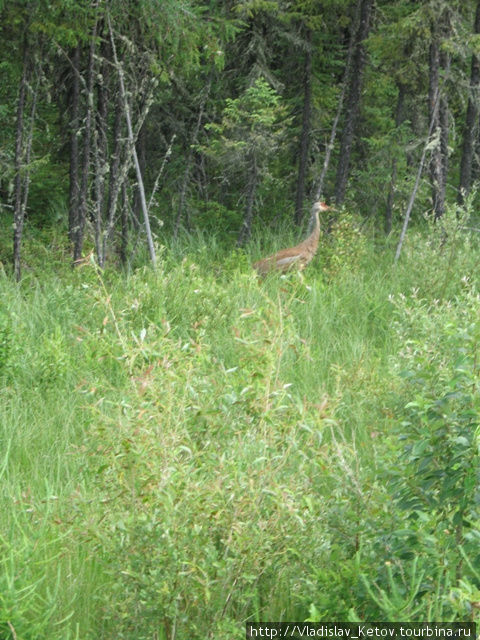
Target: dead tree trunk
(393,181)
(352,106)
(306,125)
(74,132)
(333,135)
(439,160)
(115,182)
(436,171)
(28,147)
(443,119)
(101,163)
(318,191)
(124,227)
(18,209)
(83,197)
(131,139)
(141,146)
(435,107)
(471,121)
(98,197)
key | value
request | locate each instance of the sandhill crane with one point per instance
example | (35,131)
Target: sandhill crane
(295,257)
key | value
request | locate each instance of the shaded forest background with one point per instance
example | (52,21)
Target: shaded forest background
(127,118)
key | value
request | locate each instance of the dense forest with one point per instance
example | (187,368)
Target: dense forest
(122,119)
(186,447)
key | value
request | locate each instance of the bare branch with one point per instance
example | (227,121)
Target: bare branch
(167,155)
(419,175)
(126,107)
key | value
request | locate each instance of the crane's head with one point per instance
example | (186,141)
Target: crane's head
(321,206)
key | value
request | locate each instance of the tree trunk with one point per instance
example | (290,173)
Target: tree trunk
(83,192)
(437,162)
(131,139)
(97,196)
(166,157)
(124,226)
(353,100)
(188,164)
(393,181)
(435,107)
(141,146)
(101,163)
(18,209)
(246,229)
(28,148)
(318,190)
(471,121)
(443,119)
(74,130)
(115,178)
(306,125)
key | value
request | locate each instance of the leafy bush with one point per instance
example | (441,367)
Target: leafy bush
(441,429)
(435,480)
(343,249)
(201,447)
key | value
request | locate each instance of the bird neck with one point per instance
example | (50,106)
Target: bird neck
(316,229)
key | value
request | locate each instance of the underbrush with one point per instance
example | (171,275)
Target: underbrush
(189,449)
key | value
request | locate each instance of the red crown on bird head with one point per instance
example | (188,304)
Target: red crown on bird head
(321,206)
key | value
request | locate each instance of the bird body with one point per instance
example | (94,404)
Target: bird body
(295,257)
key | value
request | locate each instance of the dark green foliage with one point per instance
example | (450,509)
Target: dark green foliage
(250,55)
(440,480)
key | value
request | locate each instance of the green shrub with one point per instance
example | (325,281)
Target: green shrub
(435,480)
(198,446)
(344,248)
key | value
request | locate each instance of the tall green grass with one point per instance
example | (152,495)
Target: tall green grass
(187,449)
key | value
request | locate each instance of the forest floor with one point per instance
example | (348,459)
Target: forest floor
(185,450)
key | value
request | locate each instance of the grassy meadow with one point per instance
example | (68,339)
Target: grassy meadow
(187,449)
